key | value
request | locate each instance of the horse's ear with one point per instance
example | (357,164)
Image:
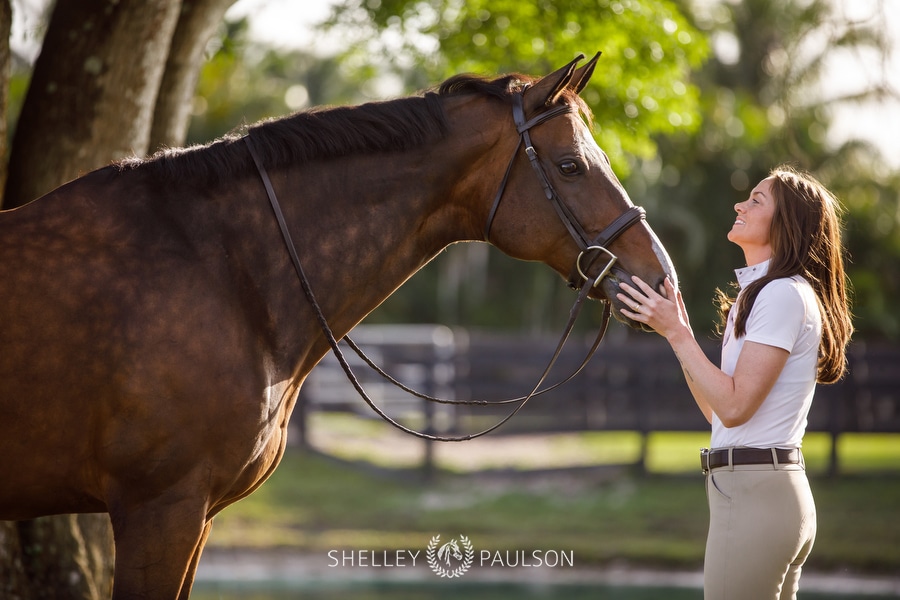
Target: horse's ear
(581,77)
(548,89)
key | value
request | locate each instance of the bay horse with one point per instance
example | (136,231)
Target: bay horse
(153,330)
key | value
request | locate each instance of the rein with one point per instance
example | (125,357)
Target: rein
(596,246)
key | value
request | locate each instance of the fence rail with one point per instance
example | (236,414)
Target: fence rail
(633,383)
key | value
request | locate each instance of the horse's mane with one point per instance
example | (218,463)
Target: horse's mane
(324,133)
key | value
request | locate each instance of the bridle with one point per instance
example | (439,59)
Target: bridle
(587,246)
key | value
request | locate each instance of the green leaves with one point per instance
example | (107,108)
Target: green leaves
(640,89)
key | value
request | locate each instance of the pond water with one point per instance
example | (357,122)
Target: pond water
(470,591)
(443,591)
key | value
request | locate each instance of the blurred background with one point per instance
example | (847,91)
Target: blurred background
(694,101)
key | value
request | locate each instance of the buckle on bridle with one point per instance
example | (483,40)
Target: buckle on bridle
(612,260)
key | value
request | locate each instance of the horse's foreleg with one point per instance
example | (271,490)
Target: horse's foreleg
(156,542)
(195,560)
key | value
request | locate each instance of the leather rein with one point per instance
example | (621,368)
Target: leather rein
(592,248)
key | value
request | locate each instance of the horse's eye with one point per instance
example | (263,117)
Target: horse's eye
(569,167)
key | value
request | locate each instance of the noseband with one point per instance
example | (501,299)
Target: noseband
(591,247)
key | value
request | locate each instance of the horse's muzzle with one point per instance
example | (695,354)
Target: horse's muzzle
(606,289)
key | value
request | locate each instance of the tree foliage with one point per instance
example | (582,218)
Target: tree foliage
(689,137)
(641,88)
(762,108)
(243,82)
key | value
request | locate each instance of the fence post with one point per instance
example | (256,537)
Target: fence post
(428,454)
(835,430)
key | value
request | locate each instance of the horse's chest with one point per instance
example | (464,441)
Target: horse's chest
(264,451)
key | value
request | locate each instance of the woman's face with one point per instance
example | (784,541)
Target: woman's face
(753,223)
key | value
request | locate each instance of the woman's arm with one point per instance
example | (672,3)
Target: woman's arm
(734,399)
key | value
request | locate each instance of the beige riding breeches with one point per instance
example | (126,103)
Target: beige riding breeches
(761,530)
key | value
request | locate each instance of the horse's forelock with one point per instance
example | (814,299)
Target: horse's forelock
(502,87)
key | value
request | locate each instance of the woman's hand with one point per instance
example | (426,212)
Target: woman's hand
(664,311)
(734,398)
(666,314)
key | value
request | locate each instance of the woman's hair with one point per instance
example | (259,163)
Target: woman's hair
(806,240)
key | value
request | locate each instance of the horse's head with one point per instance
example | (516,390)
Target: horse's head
(560,202)
(449,549)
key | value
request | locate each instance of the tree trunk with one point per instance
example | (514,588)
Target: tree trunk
(92,99)
(13,581)
(67,556)
(5,65)
(196,25)
(92,93)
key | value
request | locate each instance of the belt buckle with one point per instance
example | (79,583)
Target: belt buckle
(704,460)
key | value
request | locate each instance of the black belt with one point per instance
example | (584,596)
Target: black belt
(713,459)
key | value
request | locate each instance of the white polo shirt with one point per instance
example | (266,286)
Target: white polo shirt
(785,315)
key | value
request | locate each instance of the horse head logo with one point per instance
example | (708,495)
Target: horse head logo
(449,549)
(451,559)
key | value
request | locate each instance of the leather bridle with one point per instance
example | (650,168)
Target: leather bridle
(587,246)
(593,248)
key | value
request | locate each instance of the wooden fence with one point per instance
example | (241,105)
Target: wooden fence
(633,383)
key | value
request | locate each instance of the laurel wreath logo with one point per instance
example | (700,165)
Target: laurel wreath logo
(438,553)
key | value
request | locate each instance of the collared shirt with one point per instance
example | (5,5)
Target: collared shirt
(785,315)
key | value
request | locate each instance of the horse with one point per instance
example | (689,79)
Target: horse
(153,326)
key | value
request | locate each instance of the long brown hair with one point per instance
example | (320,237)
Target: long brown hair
(806,240)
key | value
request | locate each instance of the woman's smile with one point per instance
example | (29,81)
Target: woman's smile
(750,229)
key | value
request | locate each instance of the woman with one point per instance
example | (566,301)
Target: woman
(787,329)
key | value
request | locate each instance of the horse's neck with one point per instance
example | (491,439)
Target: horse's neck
(363,225)
(361,237)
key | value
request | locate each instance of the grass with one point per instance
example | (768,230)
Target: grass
(604,513)
(313,504)
(356,439)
